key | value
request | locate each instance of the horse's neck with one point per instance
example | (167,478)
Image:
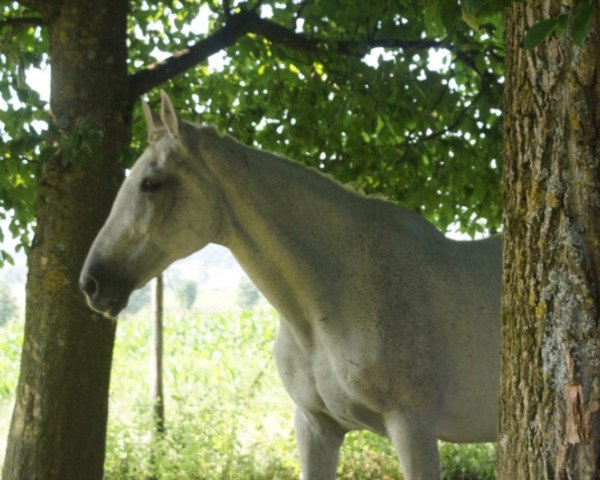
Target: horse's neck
(284,223)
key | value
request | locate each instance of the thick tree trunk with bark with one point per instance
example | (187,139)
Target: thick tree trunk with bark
(550,387)
(59,422)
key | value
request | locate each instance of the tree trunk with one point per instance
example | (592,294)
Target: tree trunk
(550,386)
(59,422)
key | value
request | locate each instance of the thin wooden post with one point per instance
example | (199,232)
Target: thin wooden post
(158,405)
(156,373)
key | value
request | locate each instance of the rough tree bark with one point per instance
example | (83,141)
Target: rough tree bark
(59,422)
(550,386)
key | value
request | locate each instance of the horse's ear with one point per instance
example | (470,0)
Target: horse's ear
(168,115)
(152,121)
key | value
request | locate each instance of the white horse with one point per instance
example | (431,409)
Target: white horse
(386,325)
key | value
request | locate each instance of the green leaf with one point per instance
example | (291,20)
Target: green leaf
(540,32)
(562,25)
(433,19)
(581,22)
(470,18)
(451,16)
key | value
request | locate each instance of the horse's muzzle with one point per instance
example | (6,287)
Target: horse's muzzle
(106,290)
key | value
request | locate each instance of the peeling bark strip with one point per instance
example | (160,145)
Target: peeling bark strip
(575,424)
(573,394)
(551,300)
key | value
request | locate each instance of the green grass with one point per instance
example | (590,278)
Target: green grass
(227,415)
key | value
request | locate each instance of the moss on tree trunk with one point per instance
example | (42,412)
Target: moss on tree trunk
(550,388)
(58,427)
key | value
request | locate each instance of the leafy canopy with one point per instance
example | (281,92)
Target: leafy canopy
(399,98)
(22,120)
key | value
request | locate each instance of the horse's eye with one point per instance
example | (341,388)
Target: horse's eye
(149,185)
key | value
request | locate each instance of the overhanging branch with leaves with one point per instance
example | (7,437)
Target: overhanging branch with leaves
(248,21)
(15,25)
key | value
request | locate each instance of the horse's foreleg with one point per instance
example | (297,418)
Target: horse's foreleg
(415,442)
(319,441)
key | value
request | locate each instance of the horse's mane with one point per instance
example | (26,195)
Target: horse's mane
(298,167)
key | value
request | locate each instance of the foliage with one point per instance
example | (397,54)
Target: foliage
(11,341)
(472,461)
(576,23)
(80,143)
(350,92)
(227,414)
(22,116)
(219,382)
(426,137)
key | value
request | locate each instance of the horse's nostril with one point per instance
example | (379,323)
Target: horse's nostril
(90,287)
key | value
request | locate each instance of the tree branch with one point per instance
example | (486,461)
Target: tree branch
(17,24)
(159,72)
(281,35)
(298,41)
(227,9)
(250,22)
(20,22)
(457,121)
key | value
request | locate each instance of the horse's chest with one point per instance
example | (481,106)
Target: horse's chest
(340,388)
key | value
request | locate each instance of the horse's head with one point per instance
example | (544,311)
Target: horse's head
(165,209)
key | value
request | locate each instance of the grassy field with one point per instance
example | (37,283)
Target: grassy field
(227,416)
